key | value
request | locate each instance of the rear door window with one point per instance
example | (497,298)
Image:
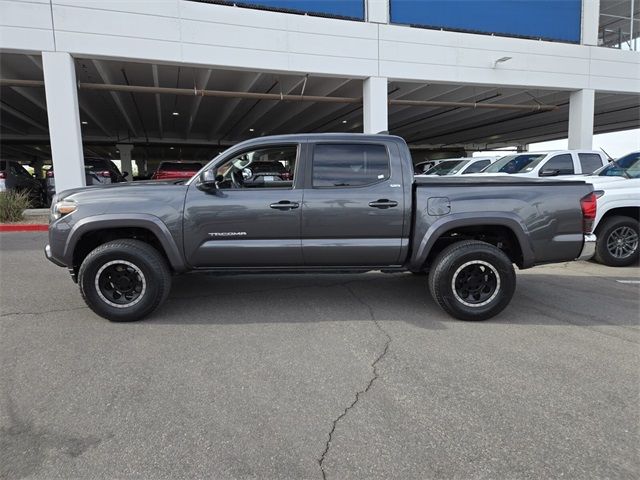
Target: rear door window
(349,165)
(562,163)
(590,162)
(476,167)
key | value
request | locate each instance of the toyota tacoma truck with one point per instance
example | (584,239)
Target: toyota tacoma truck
(318,203)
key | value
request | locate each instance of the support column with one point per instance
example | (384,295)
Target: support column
(375,105)
(64,120)
(581,110)
(590,22)
(125,160)
(378,11)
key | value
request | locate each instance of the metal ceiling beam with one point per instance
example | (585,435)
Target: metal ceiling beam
(113,88)
(107,79)
(299,108)
(286,86)
(202,81)
(156,83)
(22,116)
(247,84)
(100,140)
(92,116)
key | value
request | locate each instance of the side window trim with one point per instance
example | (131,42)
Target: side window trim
(311,153)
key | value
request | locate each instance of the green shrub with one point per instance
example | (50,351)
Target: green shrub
(12,205)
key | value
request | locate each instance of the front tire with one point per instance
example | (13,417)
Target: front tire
(124,280)
(617,243)
(472,280)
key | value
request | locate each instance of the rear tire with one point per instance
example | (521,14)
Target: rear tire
(617,242)
(124,280)
(472,280)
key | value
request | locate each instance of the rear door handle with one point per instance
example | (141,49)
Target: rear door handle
(285,205)
(383,203)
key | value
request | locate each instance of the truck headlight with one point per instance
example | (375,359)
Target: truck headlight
(62,208)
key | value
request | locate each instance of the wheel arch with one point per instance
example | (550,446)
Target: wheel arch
(92,231)
(503,231)
(632,212)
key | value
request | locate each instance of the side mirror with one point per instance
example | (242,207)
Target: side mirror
(549,173)
(207,179)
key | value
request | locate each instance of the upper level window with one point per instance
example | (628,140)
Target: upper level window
(349,165)
(270,167)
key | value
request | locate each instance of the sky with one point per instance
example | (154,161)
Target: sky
(615,144)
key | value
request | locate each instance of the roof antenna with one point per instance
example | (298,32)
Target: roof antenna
(605,152)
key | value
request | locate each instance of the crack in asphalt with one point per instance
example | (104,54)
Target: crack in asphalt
(360,393)
(8,314)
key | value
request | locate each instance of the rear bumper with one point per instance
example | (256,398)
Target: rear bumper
(588,248)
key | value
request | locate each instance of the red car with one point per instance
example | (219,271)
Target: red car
(176,170)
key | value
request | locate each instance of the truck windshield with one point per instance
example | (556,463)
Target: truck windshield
(627,166)
(447,167)
(516,163)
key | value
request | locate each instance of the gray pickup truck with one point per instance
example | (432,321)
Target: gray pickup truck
(318,203)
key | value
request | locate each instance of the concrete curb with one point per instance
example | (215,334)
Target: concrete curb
(36,212)
(23,227)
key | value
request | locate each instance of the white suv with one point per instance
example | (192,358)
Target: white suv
(549,164)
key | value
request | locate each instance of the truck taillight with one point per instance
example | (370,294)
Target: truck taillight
(3,175)
(588,203)
(50,174)
(104,173)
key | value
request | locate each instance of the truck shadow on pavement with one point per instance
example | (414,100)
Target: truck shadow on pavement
(299,298)
(278,298)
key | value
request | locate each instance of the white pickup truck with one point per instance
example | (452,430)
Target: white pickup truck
(617,187)
(548,164)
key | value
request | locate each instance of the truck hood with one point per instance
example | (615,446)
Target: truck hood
(123,187)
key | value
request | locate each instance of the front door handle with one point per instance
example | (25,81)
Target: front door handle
(383,203)
(284,205)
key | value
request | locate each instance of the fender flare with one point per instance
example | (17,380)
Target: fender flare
(449,222)
(139,220)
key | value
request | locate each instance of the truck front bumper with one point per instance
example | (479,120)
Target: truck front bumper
(47,253)
(588,248)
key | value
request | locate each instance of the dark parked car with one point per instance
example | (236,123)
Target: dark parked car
(350,203)
(14,176)
(176,170)
(97,171)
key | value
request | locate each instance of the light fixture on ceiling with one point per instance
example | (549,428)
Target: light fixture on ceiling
(344,121)
(175,114)
(252,130)
(501,60)
(84,122)
(170,148)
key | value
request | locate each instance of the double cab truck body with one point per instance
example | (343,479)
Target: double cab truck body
(318,202)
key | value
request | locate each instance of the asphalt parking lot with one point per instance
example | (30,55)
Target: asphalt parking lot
(291,376)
